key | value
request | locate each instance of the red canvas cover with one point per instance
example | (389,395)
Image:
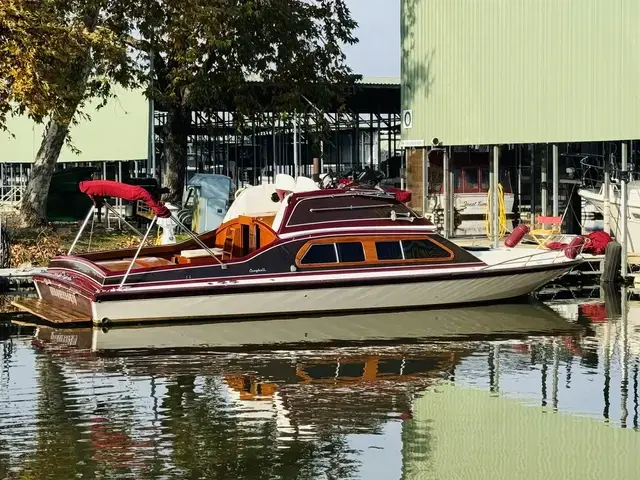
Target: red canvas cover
(403,196)
(596,242)
(96,189)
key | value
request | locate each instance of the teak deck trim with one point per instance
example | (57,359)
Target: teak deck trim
(49,312)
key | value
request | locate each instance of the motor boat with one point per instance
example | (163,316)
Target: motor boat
(324,251)
(595,197)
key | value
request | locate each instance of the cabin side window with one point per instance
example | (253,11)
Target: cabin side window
(350,252)
(417,249)
(411,249)
(389,251)
(320,253)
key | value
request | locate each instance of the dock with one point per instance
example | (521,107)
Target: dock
(21,273)
(54,315)
(12,277)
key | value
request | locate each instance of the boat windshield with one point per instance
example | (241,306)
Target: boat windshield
(347,207)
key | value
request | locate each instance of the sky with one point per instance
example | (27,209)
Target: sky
(377,54)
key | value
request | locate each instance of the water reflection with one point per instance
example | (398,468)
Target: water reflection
(440,394)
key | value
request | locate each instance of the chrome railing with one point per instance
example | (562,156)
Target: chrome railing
(527,258)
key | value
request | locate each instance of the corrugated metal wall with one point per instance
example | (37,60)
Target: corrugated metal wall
(465,433)
(504,71)
(118,131)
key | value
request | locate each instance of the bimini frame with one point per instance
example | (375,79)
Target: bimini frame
(97,190)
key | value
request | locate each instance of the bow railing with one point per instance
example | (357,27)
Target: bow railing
(525,260)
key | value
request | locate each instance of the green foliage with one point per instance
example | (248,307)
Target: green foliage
(208,53)
(57,54)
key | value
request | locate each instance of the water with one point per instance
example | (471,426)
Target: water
(513,391)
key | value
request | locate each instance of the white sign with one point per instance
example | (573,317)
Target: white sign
(411,143)
(407,119)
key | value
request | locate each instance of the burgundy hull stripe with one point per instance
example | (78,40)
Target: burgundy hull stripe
(401,268)
(69,286)
(315,284)
(274,258)
(274,261)
(302,274)
(80,265)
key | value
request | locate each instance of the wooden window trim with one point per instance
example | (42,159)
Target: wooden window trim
(386,240)
(370,254)
(321,241)
(312,265)
(413,260)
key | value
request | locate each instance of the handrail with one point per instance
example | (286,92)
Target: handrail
(11,193)
(559,253)
(139,249)
(600,165)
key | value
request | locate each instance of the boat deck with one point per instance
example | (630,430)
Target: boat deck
(50,313)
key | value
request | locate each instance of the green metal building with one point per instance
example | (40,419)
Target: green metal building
(488,72)
(119,131)
(463,433)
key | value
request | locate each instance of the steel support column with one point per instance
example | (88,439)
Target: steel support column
(624,208)
(495,177)
(556,180)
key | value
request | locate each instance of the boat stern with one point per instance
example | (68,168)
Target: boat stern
(62,298)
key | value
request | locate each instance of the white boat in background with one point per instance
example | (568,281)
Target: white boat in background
(470,195)
(596,198)
(591,217)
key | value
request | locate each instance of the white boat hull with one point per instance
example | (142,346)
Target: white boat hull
(473,209)
(427,293)
(633,212)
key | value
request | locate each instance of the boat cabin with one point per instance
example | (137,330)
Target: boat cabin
(359,216)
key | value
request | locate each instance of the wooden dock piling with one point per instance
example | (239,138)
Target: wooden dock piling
(611,270)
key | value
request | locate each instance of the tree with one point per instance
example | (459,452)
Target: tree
(54,56)
(57,54)
(207,51)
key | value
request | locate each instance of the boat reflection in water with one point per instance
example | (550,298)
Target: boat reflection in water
(427,396)
(349,329)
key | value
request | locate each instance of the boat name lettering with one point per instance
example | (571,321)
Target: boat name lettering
(62,295)
(65,339)
(479,203)
(257,270)
(62,275)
